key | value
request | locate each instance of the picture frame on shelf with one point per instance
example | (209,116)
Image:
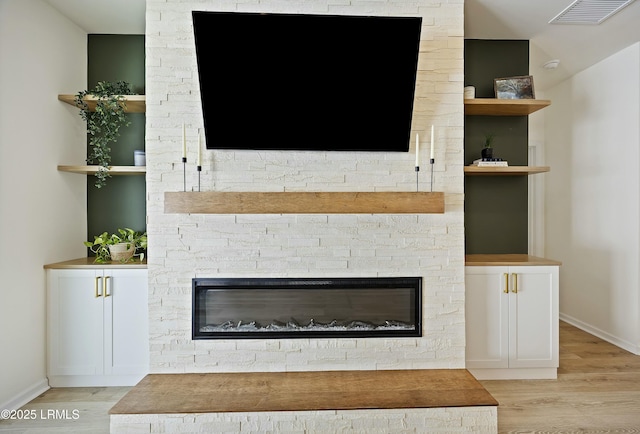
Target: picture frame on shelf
(520,87)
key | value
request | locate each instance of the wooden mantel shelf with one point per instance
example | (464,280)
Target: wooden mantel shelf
(217,202)
(134,103)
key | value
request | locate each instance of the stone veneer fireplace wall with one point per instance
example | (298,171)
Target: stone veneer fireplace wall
(183,246)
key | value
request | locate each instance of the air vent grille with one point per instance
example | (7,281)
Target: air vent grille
(589,11)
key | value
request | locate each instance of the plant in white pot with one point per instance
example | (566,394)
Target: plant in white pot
(118,247)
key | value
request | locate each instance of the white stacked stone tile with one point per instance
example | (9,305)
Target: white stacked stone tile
(182,247)
(477,420)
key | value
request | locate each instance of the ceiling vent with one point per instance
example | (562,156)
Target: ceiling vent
(589,11)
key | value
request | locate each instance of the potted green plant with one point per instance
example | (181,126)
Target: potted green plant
(103,123)
(120,247)
(487,150)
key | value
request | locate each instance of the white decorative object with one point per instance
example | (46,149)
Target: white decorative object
(199,149)
(122,251)
(469,92)
(431,156)
(139,158)
(184,143)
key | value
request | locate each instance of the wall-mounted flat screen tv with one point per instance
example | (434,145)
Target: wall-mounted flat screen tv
(273,81)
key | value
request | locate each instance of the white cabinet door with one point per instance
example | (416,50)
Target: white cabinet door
(97,327)
(487,317)
(512,318)
(126,322)
(75,322)
(533,317)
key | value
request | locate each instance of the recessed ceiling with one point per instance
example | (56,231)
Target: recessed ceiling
(589,11)
(118,17)
(577,46)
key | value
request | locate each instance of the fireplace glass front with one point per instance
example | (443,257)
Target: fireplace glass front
(230,308)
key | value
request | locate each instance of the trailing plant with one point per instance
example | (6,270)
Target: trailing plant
(100,244)
(103,124)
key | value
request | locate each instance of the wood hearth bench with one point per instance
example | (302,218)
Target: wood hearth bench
(349,401)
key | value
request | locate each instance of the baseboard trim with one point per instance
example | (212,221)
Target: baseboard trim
(26,396)
(625,345)
(94,380)
(515,373)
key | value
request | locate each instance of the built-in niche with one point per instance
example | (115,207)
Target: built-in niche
(496,208)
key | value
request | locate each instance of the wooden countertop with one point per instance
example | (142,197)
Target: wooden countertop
(508,260)
(470,260)
(88,263)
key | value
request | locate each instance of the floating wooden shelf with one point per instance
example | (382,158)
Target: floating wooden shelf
(134,103)
(216,202)
(504,171)
(503,107)
(113,170)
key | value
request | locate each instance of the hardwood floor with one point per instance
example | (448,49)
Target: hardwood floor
(86,408)
(597,391)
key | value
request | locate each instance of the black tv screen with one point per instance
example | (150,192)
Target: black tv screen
(306,82)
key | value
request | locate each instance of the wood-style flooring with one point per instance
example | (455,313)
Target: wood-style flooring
(597,391)
(92,405)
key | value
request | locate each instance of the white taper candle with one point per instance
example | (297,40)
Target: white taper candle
(184,143)
(432,143)
(199,149)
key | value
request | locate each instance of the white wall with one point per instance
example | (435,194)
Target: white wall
(42,211)
(593,196)
(185,246)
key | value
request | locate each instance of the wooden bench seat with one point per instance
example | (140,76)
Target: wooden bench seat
(303,391)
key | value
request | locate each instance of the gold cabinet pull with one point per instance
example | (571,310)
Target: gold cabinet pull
(506,283)
(107,286)
(97,286)
(515,283)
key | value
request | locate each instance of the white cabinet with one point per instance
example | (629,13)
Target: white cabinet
(97,327)
(512,321)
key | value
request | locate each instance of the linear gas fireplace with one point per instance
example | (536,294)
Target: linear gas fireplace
(230,308)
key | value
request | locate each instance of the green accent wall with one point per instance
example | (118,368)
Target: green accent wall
(496,207)
(122,202)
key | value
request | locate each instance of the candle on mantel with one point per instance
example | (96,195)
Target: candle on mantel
(199,149)
(432,143)
(184,143)
(417,150)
